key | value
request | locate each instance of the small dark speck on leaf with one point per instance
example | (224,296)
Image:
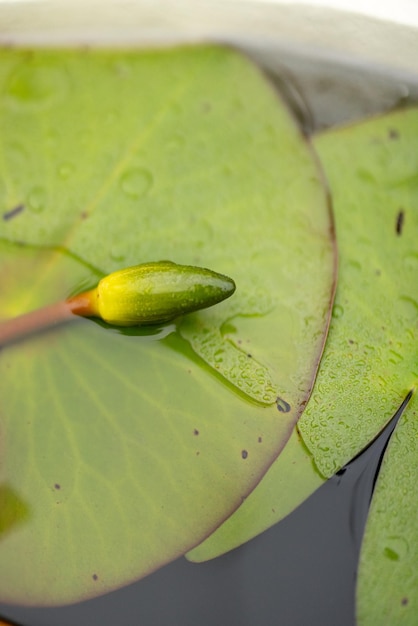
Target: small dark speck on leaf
(249,356)
(400,218)
(393,133)
(95,577)
(244,454)
(282,405)
(84,215)
(57,486)
(195,432)
(260,440)
(404,601)
(8,215)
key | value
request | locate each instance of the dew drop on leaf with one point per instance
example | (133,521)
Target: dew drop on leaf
(136,182)
(16,155)
(412,302)
(396,548)
(174,143)
(411,261)
(337,311)
(37,199)
(116,254)
(65,170)
(395,357)
(37,86)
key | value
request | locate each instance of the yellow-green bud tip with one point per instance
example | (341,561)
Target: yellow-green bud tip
(158,292)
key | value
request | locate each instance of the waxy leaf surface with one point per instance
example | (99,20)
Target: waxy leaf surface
(371,358)
(370,361)
(120,450)
(387,585)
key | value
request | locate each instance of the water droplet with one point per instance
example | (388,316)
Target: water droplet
(337,311)
(355,265)
(116,254)
(411,261)
(218,356)
(37,199)
(395,357)
(175,143)
(236,366)
(16,155)
(366,176)
(282,405)
(65,170)
(51,139)
(37,85)
(369,348)
(410,301)
(396,548)
(136,182)
(309,320)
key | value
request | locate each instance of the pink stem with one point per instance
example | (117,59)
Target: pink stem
(49,316)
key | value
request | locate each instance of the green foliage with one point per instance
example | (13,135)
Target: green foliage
(125,448)
(388,578)
(370,358)
(289,481)
(122,449)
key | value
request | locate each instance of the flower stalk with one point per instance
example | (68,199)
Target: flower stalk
(149,293)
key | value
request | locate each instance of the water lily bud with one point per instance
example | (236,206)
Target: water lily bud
(155,292)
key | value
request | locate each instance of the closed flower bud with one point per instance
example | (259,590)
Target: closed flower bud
(153,292)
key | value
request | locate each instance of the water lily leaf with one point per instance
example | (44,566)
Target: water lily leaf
(290,480)
(388,579)
(370,362)
(127,447)
(370,358)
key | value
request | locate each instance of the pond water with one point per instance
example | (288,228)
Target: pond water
(302,571)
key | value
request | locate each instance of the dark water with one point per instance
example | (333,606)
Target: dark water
(301,572)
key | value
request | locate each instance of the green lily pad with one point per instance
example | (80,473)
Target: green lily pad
(290,480)
(388,579)
(370,358)
(370,361)
(128,447)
